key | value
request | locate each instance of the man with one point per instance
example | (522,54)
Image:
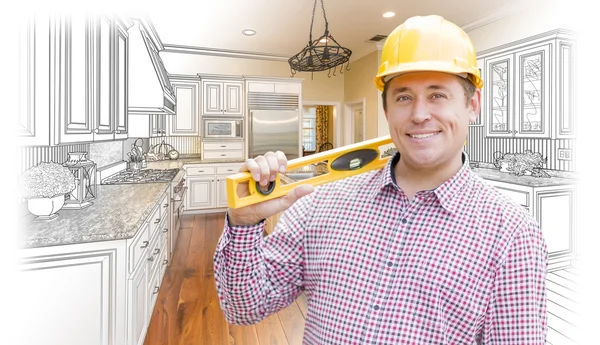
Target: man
(419,252)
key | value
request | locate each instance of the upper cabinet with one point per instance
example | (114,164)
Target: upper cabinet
(528,90)
(73,79)
(186,121)
(222,97)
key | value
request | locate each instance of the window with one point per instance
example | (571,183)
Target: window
(309,130)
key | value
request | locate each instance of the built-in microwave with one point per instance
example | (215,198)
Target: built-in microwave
(221,128)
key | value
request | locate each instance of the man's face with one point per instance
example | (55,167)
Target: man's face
(428,116)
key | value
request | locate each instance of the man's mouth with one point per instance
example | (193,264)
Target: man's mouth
(422,135)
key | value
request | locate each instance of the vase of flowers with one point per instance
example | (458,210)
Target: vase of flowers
(44,186)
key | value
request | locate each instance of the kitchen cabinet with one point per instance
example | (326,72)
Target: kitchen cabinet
(222,96)
(73,79)
(554,207)
(148,125)
(223,149)
(186,121)
(529,87)
(207,189)
(273,85)
(95,293)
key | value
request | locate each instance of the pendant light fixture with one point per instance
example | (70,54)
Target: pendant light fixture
(323,53)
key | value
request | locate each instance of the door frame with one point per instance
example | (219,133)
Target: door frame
(337,121)
(348,120)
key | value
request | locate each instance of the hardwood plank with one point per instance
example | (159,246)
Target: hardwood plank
(292,321)
(270,331)
(215,329)
(161,329)
(302,304)
(189,308)
(243,335)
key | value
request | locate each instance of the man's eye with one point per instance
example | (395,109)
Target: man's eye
(402,98)
(438,95)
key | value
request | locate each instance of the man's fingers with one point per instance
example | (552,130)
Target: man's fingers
(287,200)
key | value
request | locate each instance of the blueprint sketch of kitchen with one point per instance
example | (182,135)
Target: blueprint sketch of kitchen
(78,125)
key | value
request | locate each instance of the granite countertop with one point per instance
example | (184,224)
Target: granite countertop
(530,181)
(117,213)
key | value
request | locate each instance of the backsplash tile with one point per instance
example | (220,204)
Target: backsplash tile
(105,153)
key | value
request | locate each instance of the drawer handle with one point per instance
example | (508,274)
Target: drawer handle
(165,262)
(200,170)
(229,169)
(166,205)
(151,258)
(223,145)
(155,290)
(223,154)
(145,244)
(157,221)
(165,229)
(156,251)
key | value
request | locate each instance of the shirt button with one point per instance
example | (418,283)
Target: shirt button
(390,264)
(376,307)
(404,221)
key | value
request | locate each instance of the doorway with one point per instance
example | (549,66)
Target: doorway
(354,122)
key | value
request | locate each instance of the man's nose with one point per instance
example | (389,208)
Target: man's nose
(420,111)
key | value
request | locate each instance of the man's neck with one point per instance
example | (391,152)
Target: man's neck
(412,180)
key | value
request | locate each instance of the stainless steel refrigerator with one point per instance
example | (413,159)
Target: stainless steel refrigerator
(274,124)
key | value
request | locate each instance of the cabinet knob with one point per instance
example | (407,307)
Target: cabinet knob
(151,258)
(117,131)
(165,262)
(97,130)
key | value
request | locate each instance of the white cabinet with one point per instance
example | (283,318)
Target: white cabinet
(186,121)
(148,126)
(73,73)
(272,85)
(529,87)
(554,207)
(206,184)
(95,293)
(222,97)
(223,150)
(74,294)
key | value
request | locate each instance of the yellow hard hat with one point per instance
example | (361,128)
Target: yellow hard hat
(428,43)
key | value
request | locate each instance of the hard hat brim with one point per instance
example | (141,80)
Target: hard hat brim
(427,66)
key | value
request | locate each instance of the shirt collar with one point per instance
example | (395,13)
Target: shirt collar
(445,192)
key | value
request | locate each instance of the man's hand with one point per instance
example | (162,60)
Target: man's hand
(264,169)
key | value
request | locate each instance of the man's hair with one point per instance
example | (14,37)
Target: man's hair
(466,84)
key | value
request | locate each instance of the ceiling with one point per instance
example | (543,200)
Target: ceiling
(283,26)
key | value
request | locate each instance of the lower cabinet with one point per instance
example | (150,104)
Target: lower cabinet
(100,293)
(207,188)
(554,207)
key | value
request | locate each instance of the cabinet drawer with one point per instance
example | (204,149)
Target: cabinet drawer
(230,154)
(154,220)
(234,145)
(200,170)
(228,170)
(163,205)
(138,246)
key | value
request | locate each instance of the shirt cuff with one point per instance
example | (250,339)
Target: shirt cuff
(241,238)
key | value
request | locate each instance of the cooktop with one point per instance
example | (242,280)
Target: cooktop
(141,176)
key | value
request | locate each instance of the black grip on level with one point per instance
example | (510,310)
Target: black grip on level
(354,160)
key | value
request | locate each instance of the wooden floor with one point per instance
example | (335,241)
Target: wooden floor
(187,310)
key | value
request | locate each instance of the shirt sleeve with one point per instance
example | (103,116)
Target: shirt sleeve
(258,276)
(517,313)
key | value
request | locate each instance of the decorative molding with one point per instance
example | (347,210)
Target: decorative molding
(169,48)
(492,17)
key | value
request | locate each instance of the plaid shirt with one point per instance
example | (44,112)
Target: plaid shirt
(460,264)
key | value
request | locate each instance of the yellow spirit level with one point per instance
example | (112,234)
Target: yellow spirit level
(341,163)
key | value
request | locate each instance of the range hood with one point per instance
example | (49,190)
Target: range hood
(150,91)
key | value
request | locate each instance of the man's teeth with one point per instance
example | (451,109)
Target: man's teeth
(421,136)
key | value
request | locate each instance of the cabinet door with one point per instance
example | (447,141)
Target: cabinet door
(221,191)
(70,298)
(565,88)
(232,99)
(499,96)
(74,97)
(200,192)
(137,313)
(33,124)
(121,75)
(532,88)
(213,102)
(555,212)
(104,50)
(187,117)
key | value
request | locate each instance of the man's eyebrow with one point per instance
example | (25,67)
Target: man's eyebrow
(407,89)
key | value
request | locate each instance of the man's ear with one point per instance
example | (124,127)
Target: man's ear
(475,106)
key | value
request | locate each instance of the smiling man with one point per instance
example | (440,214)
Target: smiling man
(419,252)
